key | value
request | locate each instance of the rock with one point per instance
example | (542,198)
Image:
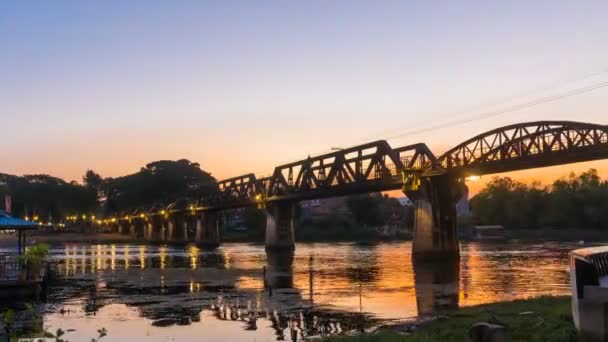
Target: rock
(164,322)
(486,332)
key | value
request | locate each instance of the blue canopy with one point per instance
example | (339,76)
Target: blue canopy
(8,222)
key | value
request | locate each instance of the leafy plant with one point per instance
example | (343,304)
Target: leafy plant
(35,254)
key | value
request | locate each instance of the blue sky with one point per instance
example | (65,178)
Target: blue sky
(241,86)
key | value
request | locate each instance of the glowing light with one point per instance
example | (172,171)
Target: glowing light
(127,257)
(142,257)
(84,217)
(113,219)
(36,218)
(258,197)
(142,216)
(113,258)
(27,218)
(163,259)
(193,252)
(93,217)
(473,178)
(162,212)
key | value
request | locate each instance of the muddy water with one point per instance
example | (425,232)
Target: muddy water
(165,293)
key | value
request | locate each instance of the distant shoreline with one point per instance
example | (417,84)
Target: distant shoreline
(524,235)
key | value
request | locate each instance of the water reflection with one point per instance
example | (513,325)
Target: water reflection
(279,274)
(320,289)
(436,286)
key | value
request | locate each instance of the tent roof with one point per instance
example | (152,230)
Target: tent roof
(8,222)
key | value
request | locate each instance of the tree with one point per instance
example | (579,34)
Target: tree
(94,181)
(576,202)
(368,209)
(49,198)
(160,182)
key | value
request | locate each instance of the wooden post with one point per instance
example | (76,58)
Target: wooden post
(19,242)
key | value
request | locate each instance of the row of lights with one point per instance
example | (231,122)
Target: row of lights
(94,219)
(97,220)
(40,223)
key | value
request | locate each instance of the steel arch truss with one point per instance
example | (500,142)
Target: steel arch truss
(527,145)
(233,193)
(366,168)
(345,171)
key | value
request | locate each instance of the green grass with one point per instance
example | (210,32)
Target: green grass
(551,321)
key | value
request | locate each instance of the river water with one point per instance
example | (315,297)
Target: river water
(173,293)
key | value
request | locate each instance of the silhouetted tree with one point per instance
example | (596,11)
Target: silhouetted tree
(579,201)
(162,182)
(47,197)
(94,181)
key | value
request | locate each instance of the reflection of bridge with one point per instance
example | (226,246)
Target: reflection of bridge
(434,183)
(290,308)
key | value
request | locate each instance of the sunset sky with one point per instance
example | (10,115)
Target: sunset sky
(241,86)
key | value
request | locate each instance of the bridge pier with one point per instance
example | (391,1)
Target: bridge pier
(435,235)
(208,229)
(155,229)
(123,227)
(280,220)
(137,229)
(148,231)
(132,228)
(177,228)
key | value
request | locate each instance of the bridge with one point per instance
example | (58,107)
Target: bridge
(434,183)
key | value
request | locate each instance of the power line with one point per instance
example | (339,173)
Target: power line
(503,111)
(500,111)
(501,101)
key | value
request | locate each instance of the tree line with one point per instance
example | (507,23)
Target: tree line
(579,201)
(157,183)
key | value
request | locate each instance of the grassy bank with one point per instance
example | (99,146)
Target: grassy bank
(542,319)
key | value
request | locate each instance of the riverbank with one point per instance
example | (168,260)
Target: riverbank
(541,319)
(549,234)
(57,238)
(318,235)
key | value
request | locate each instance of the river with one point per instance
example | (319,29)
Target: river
(173,293)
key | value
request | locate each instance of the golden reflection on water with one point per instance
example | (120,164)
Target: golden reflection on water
(142,257)
(193,252)
(378,279)
(163,257)
(126,257)
(113,257)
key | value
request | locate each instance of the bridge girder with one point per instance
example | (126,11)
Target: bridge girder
(370,167)
(375,166)
(527,145)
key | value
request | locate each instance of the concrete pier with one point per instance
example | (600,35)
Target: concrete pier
(208,226)
(435,236)
(177,228)
(280,220)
